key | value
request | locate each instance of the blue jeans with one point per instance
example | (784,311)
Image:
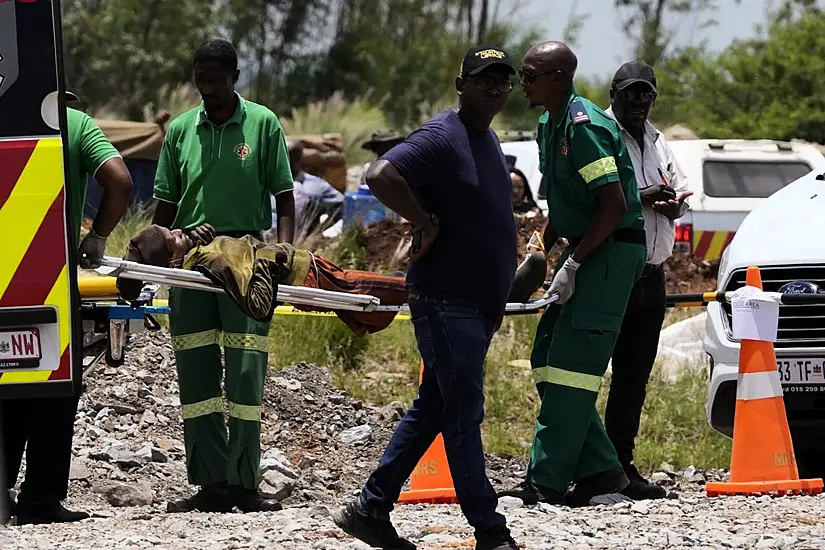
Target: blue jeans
(453,339)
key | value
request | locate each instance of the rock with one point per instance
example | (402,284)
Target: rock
(293,385)
(125,409)
(148,417)
(127,459)
(144,454)
(79,470)
(696,478)
(506,503)
(165,444)
(136,494)
(640,508)
(659,477)
(358,434)
(274,459)
(159,456)
(309,398)
(278,485)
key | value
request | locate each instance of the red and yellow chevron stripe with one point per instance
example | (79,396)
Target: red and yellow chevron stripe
(33,270)
(711,244)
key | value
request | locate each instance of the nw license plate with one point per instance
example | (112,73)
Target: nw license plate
(20,348)
(803,374)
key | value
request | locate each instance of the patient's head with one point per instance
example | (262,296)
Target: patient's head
(157,246)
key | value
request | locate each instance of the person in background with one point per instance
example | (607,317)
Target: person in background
(314,196)
(218,165)
(594,204)
(523,203)
(45,427)
(379,143)
(450,180)
(663,190)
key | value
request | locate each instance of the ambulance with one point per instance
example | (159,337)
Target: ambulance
(40,323)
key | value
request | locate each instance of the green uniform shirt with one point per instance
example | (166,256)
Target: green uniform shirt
(224,175)
(88,151)
(582,151)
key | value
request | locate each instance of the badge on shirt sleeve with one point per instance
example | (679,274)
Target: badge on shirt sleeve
(564,149)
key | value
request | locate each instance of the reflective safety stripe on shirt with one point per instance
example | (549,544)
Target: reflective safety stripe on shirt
(255,342)
(572,379)
(758,385)
(201,408)
(599,168)
(252,413)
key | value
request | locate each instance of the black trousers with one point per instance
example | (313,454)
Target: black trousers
(44,428)
(633,359)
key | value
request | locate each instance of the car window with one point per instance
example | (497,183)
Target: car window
(728,178)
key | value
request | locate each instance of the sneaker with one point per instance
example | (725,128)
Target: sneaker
(51,513)
(210,498)
(599,485)
(640,488)
(378,533)
(252,500)
(531,494)
(497,538)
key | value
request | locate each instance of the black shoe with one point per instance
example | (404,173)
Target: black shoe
(378,533)
(605,488)
(6,509)
(640,488)
(211,498)
(42,514)
(252,500)
(497,538)
(531,494)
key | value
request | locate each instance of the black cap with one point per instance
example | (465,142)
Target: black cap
(480,57)
(633,72)
(383,136)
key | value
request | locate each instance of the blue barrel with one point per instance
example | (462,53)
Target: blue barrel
(362,207)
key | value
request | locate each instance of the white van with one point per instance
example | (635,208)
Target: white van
(729,178)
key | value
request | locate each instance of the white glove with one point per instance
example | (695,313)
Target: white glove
(564,281)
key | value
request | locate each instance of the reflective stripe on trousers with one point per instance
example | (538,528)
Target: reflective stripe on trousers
(561,377)
(254,342)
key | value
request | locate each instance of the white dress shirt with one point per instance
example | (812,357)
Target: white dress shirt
(653,166)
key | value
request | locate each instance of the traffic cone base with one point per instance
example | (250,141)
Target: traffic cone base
(775,488)
(762,456)
(431,481)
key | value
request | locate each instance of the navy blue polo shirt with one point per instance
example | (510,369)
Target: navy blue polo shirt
(461,176)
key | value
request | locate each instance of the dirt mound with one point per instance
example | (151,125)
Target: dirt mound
(381,242)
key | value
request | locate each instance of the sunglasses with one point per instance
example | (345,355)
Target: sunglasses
(638,95)
(488,83)
(528,77)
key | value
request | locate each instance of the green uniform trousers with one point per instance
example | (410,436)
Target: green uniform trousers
(200,323)
(573,345)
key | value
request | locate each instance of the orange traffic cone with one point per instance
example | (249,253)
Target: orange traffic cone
(431,481)
(762,457)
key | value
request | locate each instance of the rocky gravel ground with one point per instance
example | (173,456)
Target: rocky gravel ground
(319,445)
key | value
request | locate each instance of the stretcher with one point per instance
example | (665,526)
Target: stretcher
(108,319)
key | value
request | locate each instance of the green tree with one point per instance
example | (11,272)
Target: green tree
(120,54)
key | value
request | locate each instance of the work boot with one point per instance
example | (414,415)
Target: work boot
(252,500)
(640,488)
(378,533)
(50,513)
(531,494)
(210,498)
(497,538)
(6,508)
(602,488)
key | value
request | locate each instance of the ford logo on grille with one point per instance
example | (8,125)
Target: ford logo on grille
(799,287)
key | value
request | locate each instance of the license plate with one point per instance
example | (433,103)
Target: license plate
(20,348)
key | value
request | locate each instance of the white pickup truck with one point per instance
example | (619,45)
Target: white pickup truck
(785,237)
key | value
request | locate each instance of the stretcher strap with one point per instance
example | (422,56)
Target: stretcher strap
(561,377)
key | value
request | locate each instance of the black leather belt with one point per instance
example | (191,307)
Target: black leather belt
(238,234)
(623,235)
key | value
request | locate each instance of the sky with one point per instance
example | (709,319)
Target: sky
(602,45)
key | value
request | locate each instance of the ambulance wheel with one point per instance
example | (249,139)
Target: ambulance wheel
(111,361)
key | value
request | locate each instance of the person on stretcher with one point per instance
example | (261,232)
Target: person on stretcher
(250,270)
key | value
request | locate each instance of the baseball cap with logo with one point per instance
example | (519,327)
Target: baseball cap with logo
(633,72)
(480,57)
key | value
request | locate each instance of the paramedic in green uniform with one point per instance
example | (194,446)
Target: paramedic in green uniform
(219,164)
(594,204)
